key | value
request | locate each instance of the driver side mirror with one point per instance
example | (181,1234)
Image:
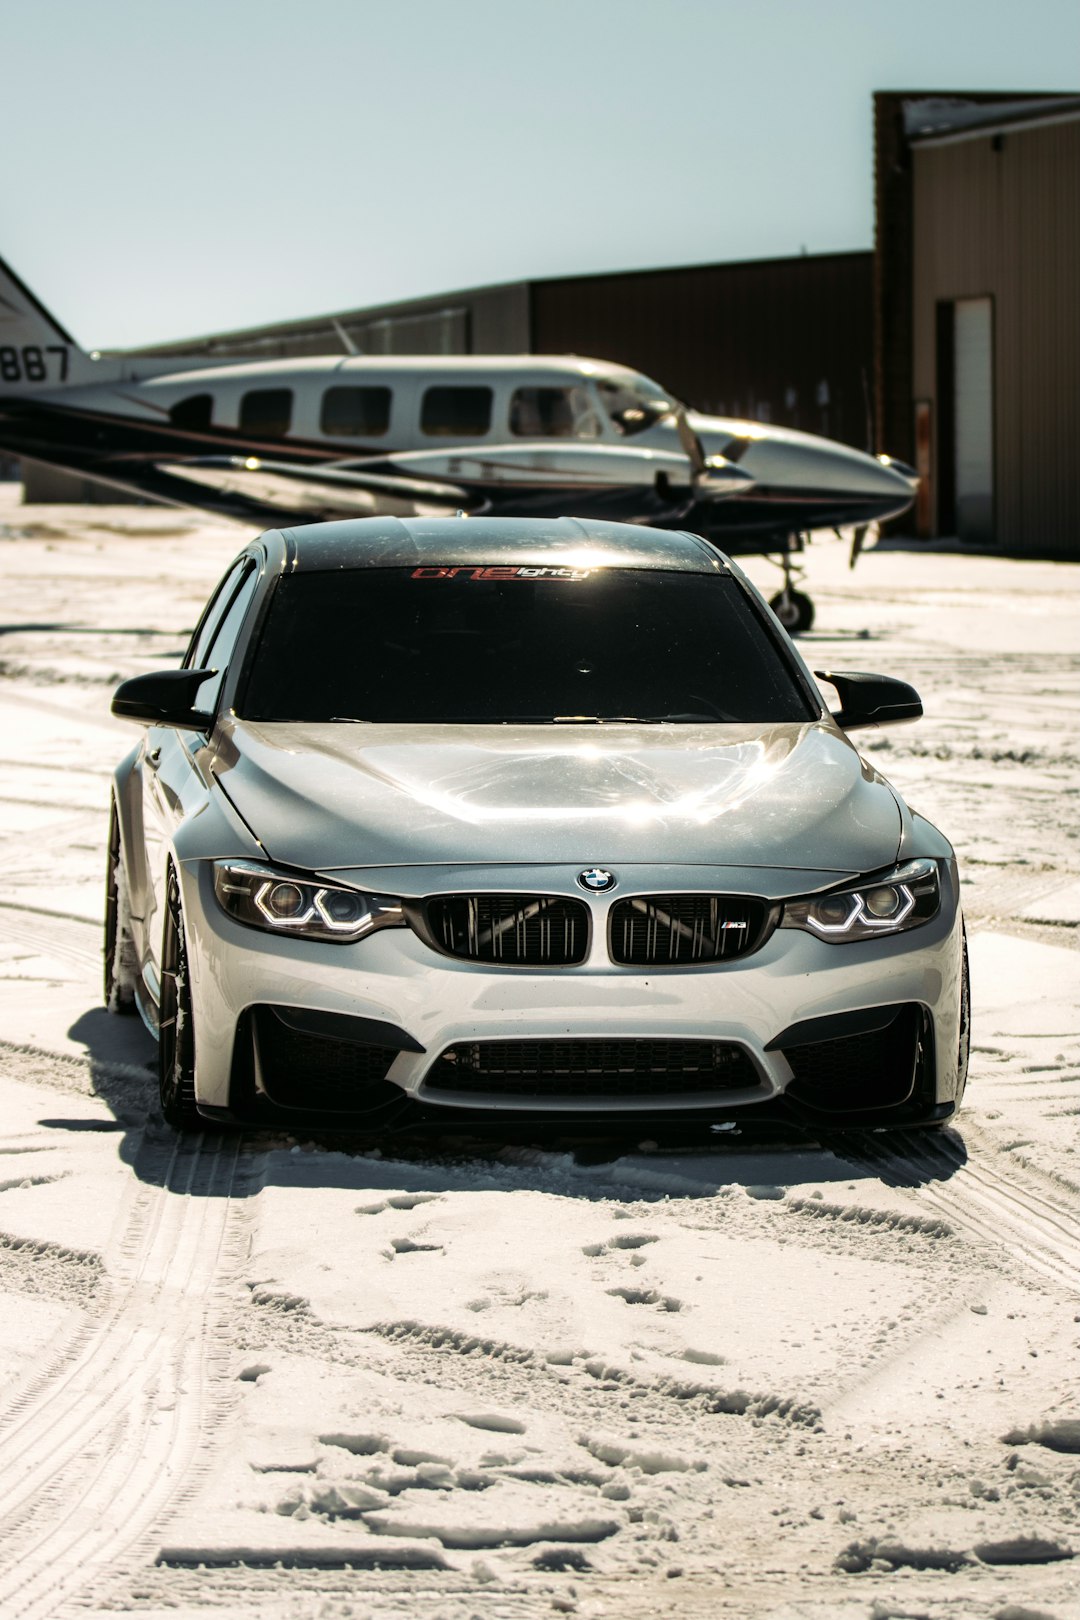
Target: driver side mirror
(165,698)
(871,700)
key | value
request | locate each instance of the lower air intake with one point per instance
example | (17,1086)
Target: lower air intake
(592,1068)
(877,1069)
(318,1073)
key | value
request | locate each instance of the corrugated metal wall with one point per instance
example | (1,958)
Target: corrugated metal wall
(999,216)
(479,320)
(779,340)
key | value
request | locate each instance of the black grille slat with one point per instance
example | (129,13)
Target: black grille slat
(679,929)
(592,1068)
(516,930)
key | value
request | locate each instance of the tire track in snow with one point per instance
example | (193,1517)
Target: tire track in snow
(1013,1207)
(95,1453)
(52,933)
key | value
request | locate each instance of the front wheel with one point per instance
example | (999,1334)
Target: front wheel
(176,1033)
(794,609)
(121,967)
(964,1053)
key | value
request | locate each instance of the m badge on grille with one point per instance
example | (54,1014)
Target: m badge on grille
(596,880)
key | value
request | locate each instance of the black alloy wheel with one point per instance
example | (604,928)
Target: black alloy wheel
(176,1034)
(119,950)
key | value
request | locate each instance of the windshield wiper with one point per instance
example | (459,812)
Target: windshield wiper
(695,717)
(633,719)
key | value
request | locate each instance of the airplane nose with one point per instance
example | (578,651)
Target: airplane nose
(907,472)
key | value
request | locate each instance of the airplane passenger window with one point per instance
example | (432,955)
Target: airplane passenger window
(266,413)
(553,413)
(456,413)
(355,413)
(193,413)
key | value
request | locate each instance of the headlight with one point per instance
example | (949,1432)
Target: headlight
(904,898)
(284,903)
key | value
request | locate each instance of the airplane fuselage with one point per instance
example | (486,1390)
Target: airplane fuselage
(524,434)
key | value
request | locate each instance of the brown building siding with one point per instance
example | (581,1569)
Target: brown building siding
(998,215)
(894,252)
(781,340)
(894,428)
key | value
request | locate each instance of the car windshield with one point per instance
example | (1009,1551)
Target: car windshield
(634,403)
(505,644)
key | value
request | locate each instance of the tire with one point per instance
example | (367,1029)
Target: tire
(121,967)
(176,1033)
(794,610)
(964,1044)
(964,1053)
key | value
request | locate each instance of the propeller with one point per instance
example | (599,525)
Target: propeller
(692,445)
(711,477)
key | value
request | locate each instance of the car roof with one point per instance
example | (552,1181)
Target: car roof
(390,542)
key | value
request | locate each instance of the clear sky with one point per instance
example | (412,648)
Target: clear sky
(175,168)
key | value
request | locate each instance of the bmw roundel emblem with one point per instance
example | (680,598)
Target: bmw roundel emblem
(596,880)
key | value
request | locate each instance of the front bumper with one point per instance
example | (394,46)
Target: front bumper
(795,992)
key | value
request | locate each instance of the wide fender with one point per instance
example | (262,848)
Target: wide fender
(215,831)
(127,796)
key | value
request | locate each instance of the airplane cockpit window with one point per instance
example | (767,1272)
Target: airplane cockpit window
(266,413)
(553,413)
(193,413)
(355,413)
(634,403)
(456,413)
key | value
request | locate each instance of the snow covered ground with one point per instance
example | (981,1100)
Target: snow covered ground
(268,1378)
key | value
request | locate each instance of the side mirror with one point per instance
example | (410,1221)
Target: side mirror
(165,698)
(871,700)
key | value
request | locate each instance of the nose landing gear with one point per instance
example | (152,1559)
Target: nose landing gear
(792,607)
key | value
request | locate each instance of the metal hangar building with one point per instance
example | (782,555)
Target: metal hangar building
(955,345)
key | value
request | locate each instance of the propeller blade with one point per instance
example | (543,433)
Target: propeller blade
(692,445)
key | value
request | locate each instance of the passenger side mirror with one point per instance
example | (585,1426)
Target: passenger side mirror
(165,698)
(871,700)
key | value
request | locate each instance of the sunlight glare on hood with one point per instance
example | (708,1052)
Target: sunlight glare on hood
(744,777)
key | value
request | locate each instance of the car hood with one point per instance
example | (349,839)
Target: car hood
(327,797)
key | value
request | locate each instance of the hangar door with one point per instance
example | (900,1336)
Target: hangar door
(973,407)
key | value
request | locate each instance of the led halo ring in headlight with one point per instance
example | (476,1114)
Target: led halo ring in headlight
(892,903)
(286,903)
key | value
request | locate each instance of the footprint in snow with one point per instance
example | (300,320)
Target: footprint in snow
(622,1240)
(398,1201)
(646,1296)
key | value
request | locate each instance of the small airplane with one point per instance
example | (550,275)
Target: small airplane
(275,441)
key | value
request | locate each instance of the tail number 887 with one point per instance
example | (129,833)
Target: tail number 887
(31,364)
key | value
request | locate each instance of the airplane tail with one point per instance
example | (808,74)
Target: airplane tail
(36,353)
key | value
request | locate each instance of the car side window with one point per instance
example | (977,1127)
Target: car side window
(213,613)
(219,649)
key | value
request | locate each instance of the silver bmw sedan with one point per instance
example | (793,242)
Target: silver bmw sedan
(463,818)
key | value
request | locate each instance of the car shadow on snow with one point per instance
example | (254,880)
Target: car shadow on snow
(636,1159)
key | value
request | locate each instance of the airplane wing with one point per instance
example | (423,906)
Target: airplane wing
(598,481)
(300,490)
